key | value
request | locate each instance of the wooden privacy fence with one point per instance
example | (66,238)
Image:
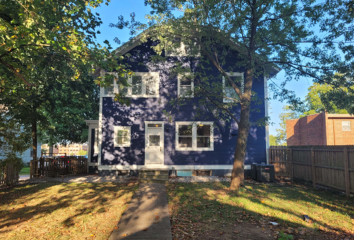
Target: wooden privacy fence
(9,175)
(331,166)
(57,166)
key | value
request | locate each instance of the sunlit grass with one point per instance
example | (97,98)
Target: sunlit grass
(25,171)
(286,205)
(65,211)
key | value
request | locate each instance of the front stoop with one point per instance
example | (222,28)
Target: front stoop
(153,176)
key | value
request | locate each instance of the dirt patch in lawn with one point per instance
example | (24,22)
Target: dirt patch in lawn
(210,211)
(210,231)
(65,211)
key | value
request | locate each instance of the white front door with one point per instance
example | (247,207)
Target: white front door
(154,143)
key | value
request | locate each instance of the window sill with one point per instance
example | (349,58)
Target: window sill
(194,149)
(121,146)
(134,97)
(181,96)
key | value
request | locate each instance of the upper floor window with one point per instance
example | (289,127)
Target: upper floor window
(185,86)
(346,126)
(142,84)
(194,136)
(180,48)
(228,91)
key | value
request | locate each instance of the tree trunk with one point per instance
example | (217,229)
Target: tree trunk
(34,139)
(238,172)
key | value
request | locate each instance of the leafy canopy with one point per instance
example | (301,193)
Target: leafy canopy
(48,61)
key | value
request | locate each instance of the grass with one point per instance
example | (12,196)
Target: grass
(209,209)
(25,171)
(65,211)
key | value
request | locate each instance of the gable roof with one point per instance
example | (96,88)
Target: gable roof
(134,42)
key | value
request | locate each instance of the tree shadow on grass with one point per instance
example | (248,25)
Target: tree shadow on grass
(21,204)
(212,203)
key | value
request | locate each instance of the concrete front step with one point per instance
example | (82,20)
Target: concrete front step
(152,171)
(148,180)
(153,176)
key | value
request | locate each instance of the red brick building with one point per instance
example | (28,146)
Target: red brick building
(321,129)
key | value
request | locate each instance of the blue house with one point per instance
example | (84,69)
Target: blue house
(129,138)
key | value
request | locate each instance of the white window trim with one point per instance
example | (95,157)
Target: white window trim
(179,77)
(180,52)
(115,85)
(95,142)
(346,130)
(144,75)
(194,136)
(237,74)
(116,129)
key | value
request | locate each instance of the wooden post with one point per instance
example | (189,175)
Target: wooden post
(346,171)
(291,164)
(270,155)
(313,167)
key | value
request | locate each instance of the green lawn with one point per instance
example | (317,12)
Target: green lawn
(25,171)
(210,210)
(63,211)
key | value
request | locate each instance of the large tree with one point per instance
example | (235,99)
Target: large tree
(317,101)
(48,54)
(259,34)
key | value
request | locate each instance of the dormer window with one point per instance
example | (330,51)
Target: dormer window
(179,48)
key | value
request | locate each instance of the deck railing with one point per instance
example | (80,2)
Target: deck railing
(54,166)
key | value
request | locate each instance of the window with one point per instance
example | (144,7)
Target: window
(194,136)
(185,86)
(346,126)
(95,146)
(179,48)
(111,90)
(229,92)
(122,136)
(142,84)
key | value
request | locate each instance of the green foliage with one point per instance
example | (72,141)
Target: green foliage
(274,141)
(36,30)
(49,59)
(82,153)
(284,116)
(316,100)
(13,137)
(12,158)
(285,236)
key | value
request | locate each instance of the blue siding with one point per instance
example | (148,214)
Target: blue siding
(151,109)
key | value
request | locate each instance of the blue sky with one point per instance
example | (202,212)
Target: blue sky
(109,14)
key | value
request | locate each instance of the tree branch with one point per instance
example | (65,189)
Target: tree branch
(12,69)
(222,108)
